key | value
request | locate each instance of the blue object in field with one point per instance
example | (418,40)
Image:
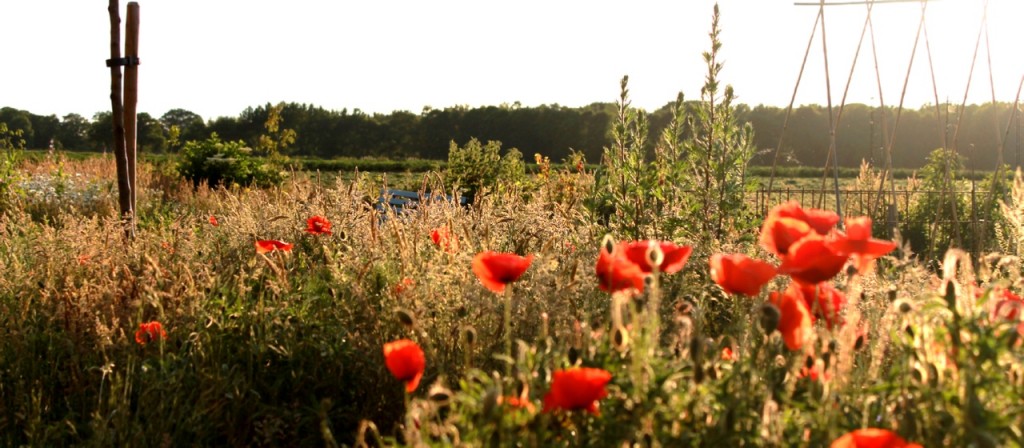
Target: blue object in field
(401,201)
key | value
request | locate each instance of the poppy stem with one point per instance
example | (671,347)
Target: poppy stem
(508,329)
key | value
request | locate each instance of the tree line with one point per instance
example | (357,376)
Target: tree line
(554,131)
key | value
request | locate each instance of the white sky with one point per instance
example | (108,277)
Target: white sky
(217,57)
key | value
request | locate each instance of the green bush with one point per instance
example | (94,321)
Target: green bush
(224,163)
(477,167)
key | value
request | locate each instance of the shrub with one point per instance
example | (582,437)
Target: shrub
(224,163)
(477,168)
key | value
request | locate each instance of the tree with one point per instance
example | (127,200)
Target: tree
(150,134)
(73,132)
(276,141)
(99,131)
(18,120)
(190,125)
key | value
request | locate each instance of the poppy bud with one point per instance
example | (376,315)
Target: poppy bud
(951,296)
(574,355)
(608,244)
(770,316)
(684,307)
(469,334)
(918,373)
(933,374)
(440,395)
(859,343)
(406,317)
(851,270)
(620,338)
(892,293)
(903,306)
(809,362)
(655,256)
(648,281)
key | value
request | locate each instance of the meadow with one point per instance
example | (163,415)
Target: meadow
(196,333)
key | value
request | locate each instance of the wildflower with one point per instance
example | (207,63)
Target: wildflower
(265,246)
(857,241)
(406,362)
(402,286)
(213,221)
(444,239)
(625,265)
(825,302)
(150,331)
(788,223)
(810,261)
(794,317)
(728,354)
(872,438)
(1009,304)
(318,225)
(739,274)
(615,272)
(673,257)
(518,403)
(83,259)
(813,371)
(577,388)
(495,270)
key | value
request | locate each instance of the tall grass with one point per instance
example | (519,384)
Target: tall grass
(285,348)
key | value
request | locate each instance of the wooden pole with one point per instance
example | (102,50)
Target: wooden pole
(117,116)
(131,89)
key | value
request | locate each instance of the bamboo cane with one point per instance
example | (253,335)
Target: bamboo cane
(131,89)
(117,117)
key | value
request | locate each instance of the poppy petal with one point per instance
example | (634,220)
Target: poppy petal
(495,270)
(809,261)
(739,274)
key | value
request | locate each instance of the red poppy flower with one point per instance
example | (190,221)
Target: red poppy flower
(822,221)
(728,355)
(149,332)
(824,301)
(740,274)
(1009,304)
(406,362)
(495,270)
(673,257)
(265,246)
(615,272)
(794,317)
(872,438)
(444,239)
(810,261)
(857,241)
(213,221)
(813,373)
(318,225)
(402,286)
(577,388)
(517,403)
(787,223)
